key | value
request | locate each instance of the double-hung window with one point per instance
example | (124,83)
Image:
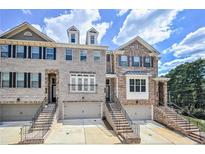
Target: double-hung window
(5,80)
(35,52)
(147,61)
(83,55)
(20,80)
(4,51)
(73,38)
(136,61)
(49,53)
(137,85)
(69,54)
(34,80)
(92,39)
(19,51)
(124,61)
(96,56)
(82,82)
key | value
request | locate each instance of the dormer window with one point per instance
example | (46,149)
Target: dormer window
(73,35)
(73,38)
(91,36)
(92,39)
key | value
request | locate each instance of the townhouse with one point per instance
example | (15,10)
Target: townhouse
(80,78)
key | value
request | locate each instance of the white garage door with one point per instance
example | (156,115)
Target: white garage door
(82,110)
(18,112)
(139,112)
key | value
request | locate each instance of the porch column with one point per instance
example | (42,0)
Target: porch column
(165,93)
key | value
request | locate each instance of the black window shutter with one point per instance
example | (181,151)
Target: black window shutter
(119,59)
(25,80)
(132,59)
(25,51)
(54,53)
(29,52)
(14,51)
(29,80)
(0,79)
(144,61)
(9,53)
(39,80)
(40,52)
(141,61)
(152,61)
(14,79)
(128,61)
(44,52)
(10,79)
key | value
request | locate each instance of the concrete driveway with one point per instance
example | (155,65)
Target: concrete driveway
(88,131)
(94,132)
(10,132)
(152,132)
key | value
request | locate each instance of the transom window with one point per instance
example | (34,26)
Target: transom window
(96,55)
(4,51)
(20,80)
(5,79)
(49,53)
(137,85)
(83,55)
(69,54)
(136,61)
(92,39)
(34,80)
(82,82)
(35,52)
(72,38)
(20,51)
(124,61)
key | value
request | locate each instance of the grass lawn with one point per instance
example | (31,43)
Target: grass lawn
(201,123)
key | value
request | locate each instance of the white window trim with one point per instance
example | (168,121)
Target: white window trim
(86,56)
(32,80)
(137,95)
(38,52)
(76,37)
(94,56)
(1,50)
(66,54)
(46,54)
(89,76)
(17,79)
(2,80)
(17,51)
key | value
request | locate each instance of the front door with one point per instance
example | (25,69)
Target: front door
(108,90)
(53,90)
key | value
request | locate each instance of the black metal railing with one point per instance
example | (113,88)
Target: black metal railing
(83,87)
(135,127)
(27,132)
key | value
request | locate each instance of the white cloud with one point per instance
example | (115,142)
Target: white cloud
(167,66)
(56,27)
(122,12)
(193,43)
(190,48)
(1,31)
(37,27)
(27,12)
(152,25)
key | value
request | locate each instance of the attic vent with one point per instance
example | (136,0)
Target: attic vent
(27,33)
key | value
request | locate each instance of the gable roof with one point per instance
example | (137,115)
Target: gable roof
(140,40)
(8,34)
(73,28)
(92,30)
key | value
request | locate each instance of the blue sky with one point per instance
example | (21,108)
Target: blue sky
(179,35)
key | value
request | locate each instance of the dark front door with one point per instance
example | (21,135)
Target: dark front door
(161,93)
(108,90)
(52,89)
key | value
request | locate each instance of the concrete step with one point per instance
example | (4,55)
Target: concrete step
(124,128)
(124,131)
